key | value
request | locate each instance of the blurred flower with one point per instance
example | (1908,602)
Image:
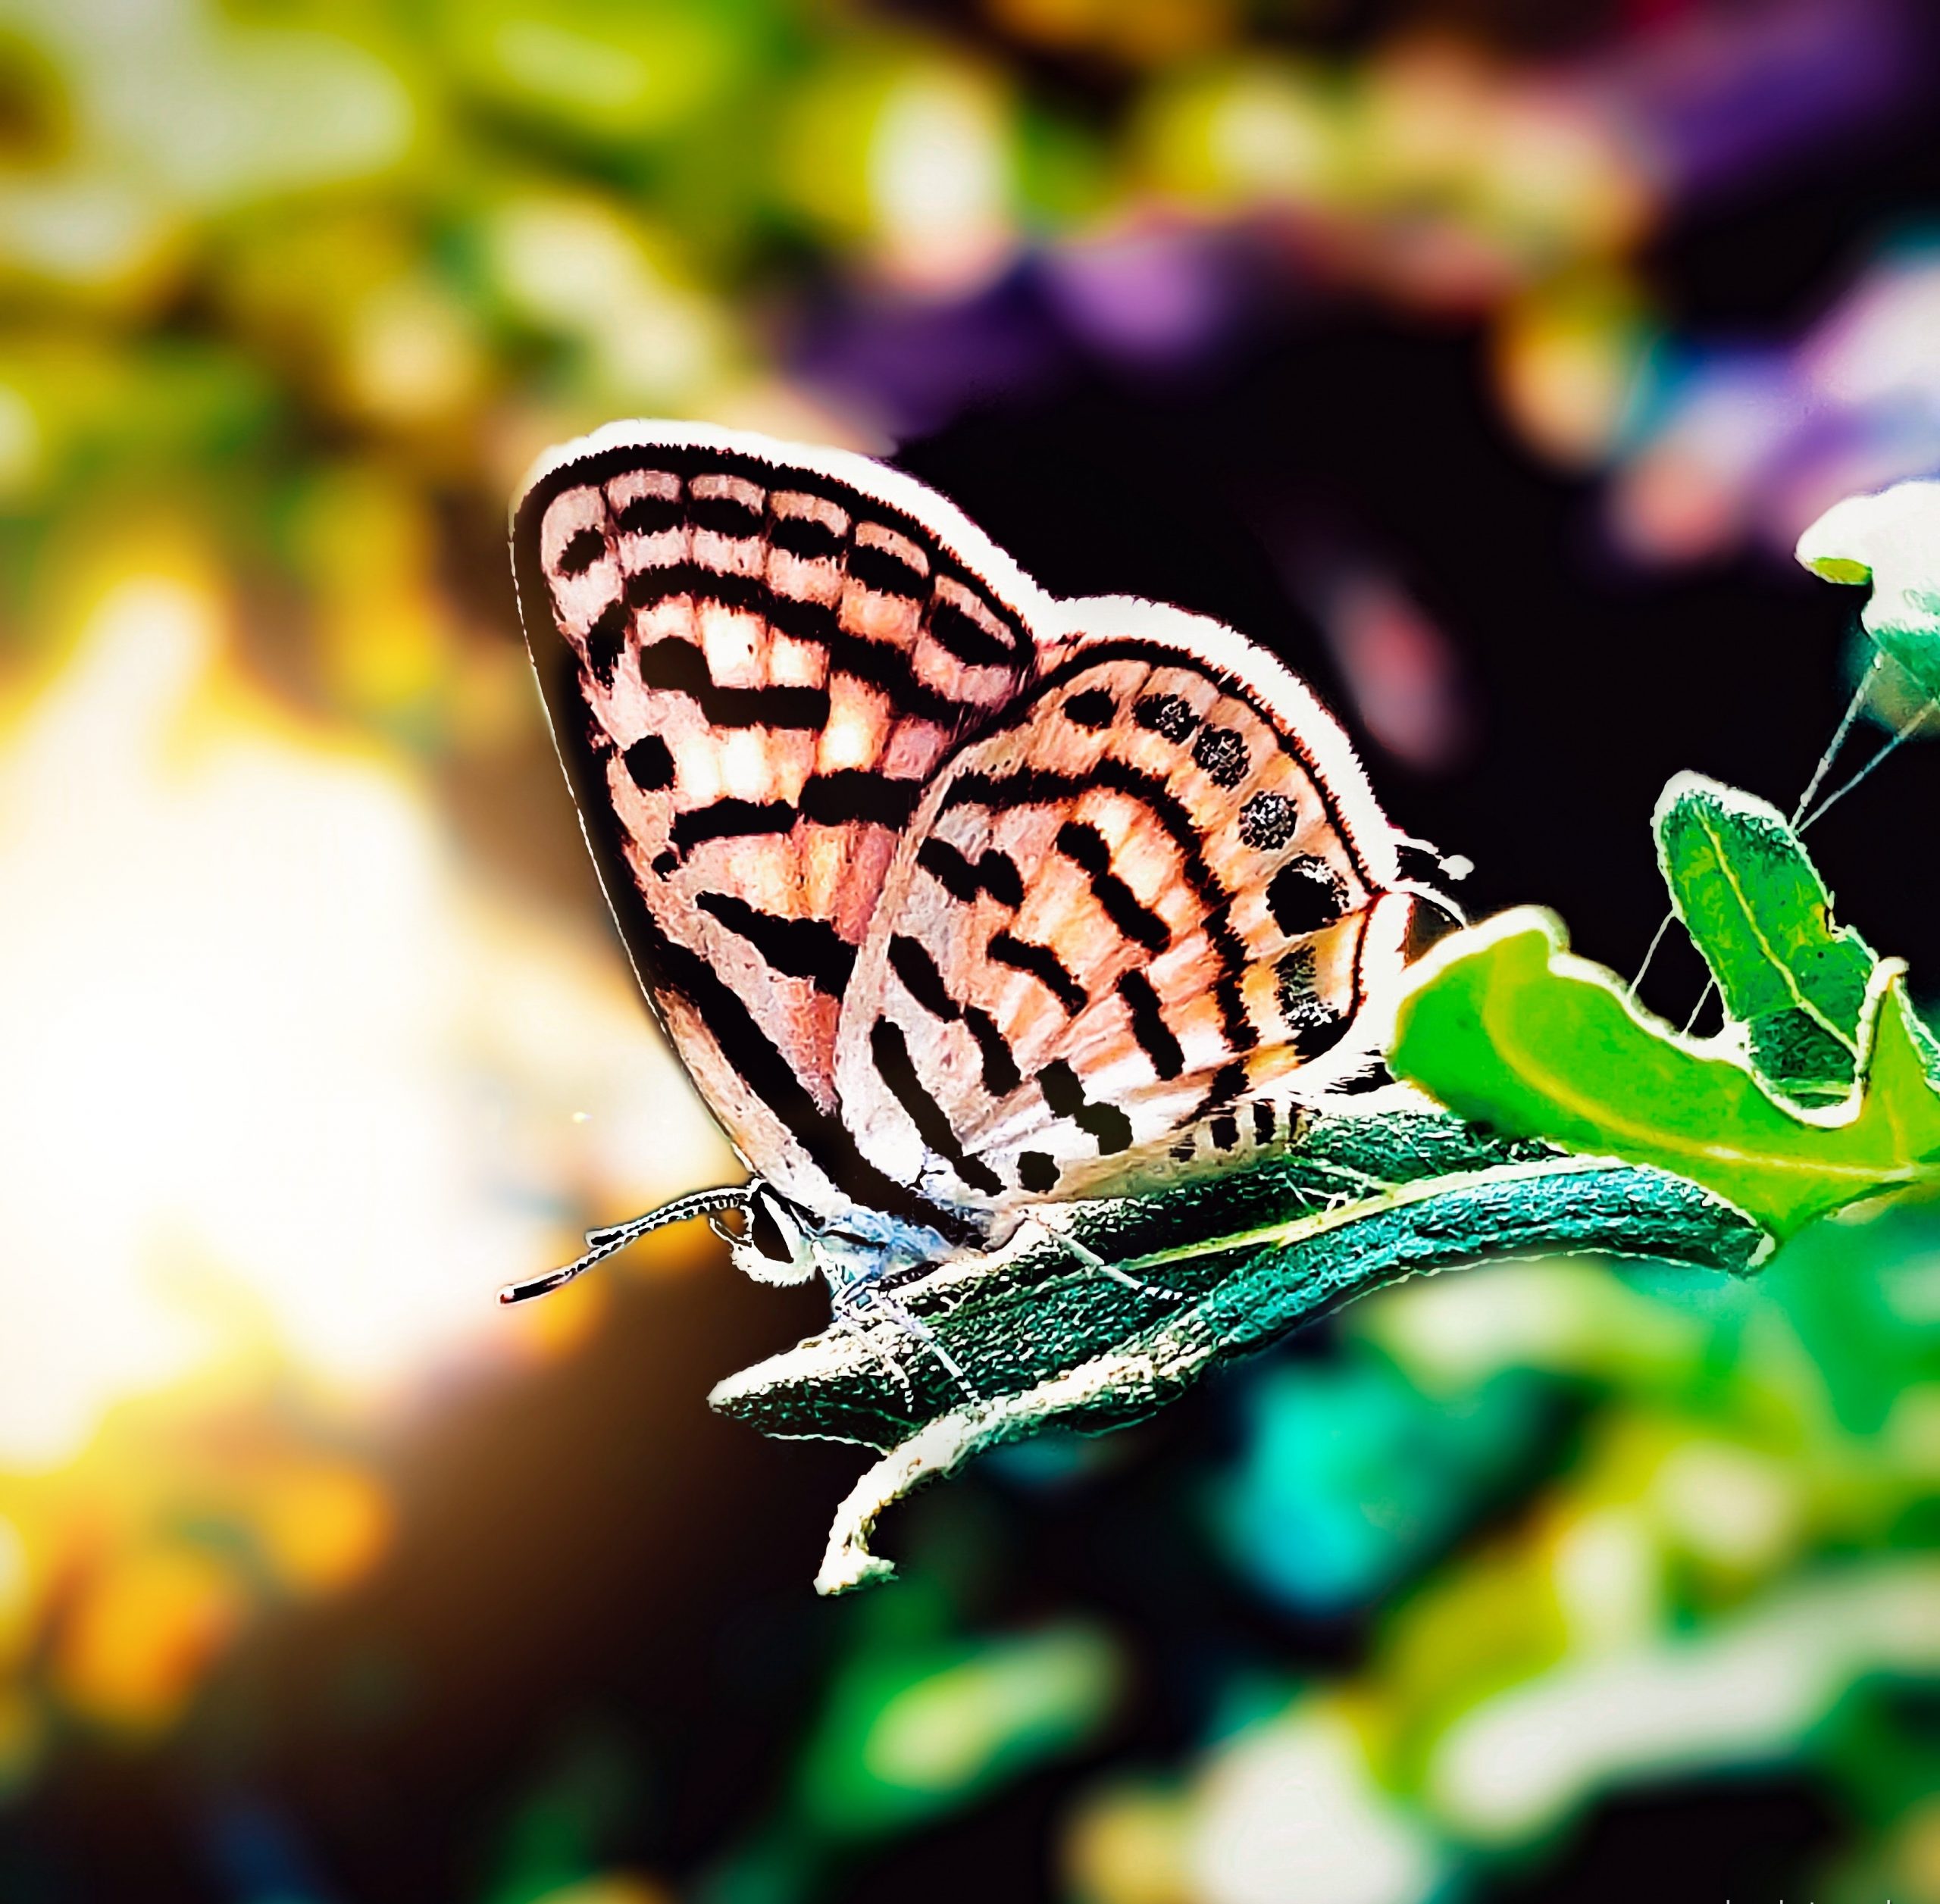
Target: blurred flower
(1754,441)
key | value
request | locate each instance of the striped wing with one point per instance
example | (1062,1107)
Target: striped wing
(1134,923)
(755,659)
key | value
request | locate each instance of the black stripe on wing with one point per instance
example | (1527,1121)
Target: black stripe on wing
(1148,1024)
(1028,786)
(890,1052)
(678,667)
(877,568)
(993,872)
(1041,963)
(810,949)
(1088,848)
(1065,1096)
(839,799)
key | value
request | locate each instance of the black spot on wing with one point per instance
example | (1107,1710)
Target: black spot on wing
(1169,715)
(1065,1096)
(650,764)
(1086,848)
(894,1066)
(1037,1171)
(1043,965)
(810,949)
(1268,821)
(1262,1121)
(1221,755)
(1224,1130)
(1092,709)
(584,548)
(1306,894)
(606,640)
(1296,988)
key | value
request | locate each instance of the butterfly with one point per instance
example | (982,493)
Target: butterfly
(959,902)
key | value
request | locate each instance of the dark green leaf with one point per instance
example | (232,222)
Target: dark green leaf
(1223,1266)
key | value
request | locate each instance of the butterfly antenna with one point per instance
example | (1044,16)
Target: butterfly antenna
(604,1242)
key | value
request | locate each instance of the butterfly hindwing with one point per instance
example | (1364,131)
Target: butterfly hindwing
(1133,922)
(755,660)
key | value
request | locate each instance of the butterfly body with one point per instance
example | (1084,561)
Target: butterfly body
(958,901)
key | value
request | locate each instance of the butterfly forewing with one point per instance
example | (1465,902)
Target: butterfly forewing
(755,664)
(1134,921)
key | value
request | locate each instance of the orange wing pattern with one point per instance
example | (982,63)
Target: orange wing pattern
(1135,923)
(754,664)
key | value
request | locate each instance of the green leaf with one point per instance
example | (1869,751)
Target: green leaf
(1891,541)
(1219,1266)
(1756,909)
(1508,1029)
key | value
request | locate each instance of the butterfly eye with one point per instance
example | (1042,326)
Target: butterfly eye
(767,1236)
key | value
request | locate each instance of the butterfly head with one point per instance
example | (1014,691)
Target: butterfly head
(775,1243)
(779,1241)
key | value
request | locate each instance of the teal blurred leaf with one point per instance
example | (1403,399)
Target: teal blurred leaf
(1350,1477)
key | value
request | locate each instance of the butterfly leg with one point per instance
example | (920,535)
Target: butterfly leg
(847,1321)
(859,1299)
(1092,1260)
